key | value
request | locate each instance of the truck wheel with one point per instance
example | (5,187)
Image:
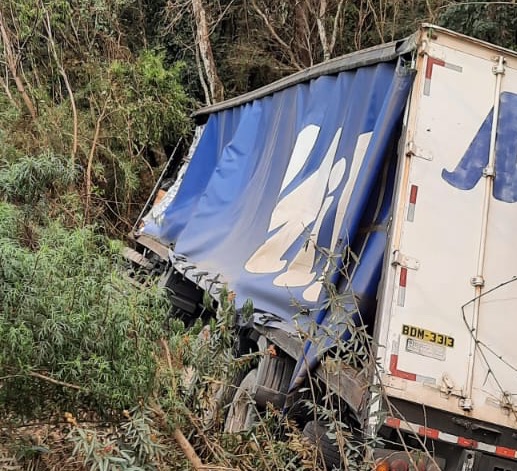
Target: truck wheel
(242,411)
(267,383)
(273,379)
(316,432)
(221,397)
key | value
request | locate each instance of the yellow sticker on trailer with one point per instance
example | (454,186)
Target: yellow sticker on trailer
(427,335)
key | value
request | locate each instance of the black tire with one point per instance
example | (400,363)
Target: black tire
(316,432)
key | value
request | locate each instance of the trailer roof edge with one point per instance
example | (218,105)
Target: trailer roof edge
(374,55)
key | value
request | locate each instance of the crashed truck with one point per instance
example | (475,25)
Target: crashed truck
(372,194)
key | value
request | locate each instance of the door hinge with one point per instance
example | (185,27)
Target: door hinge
(405,261)
(499,69)
(414,151)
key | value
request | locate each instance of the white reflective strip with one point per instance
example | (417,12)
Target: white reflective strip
(427,86)
(409,427)
(425,379)
(402,296)
(486,447)
(411,212)
(447,437)
(456,68)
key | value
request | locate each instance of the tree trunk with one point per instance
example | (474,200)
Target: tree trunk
(320,21)
(205,49)
(11,64)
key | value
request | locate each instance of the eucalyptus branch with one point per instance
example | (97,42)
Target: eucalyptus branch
(335,28)
(90,161)
(202,80)
(63,74)
(276,37)
(322,31)
(205,50)
(376,20)
(43,377)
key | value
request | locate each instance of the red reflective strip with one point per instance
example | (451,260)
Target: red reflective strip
(429,432)
(403,277)
(502,451)
(393,422)
(429,68)
(467,442)
(413,194)
(396,372)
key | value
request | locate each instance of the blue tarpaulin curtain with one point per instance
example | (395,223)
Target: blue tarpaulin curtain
(269,175)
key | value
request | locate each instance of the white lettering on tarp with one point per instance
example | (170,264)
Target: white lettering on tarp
(301,152)
(308,203)
(300,270)
(313,291)
(295,211)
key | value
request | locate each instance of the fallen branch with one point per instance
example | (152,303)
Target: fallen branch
(182,441)
(189,452)
(43,377)
(55,381)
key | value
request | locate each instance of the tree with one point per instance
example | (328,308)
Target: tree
(12,67)
(492,21)
(254,42)
(198,18)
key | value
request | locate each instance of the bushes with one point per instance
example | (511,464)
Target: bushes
(67,314)
(29,178)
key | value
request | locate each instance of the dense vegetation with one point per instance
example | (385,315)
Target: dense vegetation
(94,95)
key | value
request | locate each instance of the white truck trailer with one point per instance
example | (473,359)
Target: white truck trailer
(404,155)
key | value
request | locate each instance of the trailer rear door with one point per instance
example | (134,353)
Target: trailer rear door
(453,241)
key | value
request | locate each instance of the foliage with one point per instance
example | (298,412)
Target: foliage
(132,446)
(205,374)
(256,42)
(29,178)
(495,22)
(151,97)
(93,97)
(97,93)
(107,79)
(67,313)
